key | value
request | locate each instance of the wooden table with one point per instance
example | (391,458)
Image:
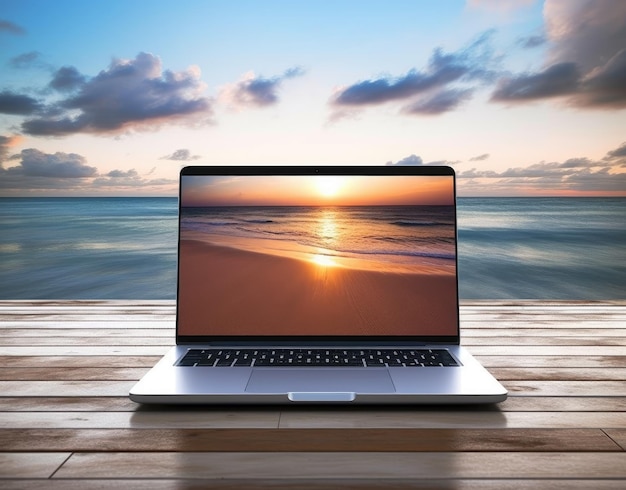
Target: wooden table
(66,421)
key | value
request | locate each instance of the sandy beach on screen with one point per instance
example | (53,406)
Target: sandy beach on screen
(227,291)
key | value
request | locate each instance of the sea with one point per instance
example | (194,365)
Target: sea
(125,248)
(381,238)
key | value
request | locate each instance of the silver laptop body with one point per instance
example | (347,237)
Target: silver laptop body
(317,285)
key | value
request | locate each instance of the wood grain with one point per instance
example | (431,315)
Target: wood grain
(303,465)
(66,420)
(306,440)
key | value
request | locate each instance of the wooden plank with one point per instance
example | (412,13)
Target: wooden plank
(87,341)
(65,388)
(470,303)
(53,362)
(563,404)
(566,388)
(585,362)
(82,350)
(316,484)
(477,350)
(547,350)
(262,418)
(534,341)
(220,417)
(558,318)
(80,340)
(305,440)
(521,361)
(121,388)
(125,373)
(558,374)
(416,418)
(68,403)
(73,373)
(543,327)
(299,465)
(124,404)
(77,330)
(602,329)
(540,309)
(513,362)
(82,328)
(104,316)
(169,340)
(618,436)
(136,303)
(30,464)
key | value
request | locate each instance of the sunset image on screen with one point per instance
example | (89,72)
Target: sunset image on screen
(317,255)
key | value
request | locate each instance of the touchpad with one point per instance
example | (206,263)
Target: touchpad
(279,380)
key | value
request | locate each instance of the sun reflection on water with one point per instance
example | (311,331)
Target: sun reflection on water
(323,260)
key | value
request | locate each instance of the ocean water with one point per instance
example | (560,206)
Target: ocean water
(383,238)
(125,248)
(88,248)
(550,248)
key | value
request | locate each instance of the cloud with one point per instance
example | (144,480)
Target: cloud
(410,160)
(448,80)
(256,91)
(69,174)
(617,155)
(28,60)
(67,79)
(7,142)
(414,160)
(120,179)
(586,60)
(605,87)
(529,42)
(130,94)
(17,104)
(182,155)
(557,80)
(34,163)
(11,28)
(440,102)
(588,32)
(120,174)
(499,5)
(572,175)
(480,158)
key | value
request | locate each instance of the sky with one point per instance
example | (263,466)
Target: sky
(520,97)
(316,190)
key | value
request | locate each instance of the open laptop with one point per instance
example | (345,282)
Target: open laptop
(317,285)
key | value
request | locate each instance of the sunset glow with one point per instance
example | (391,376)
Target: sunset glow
(329,186)
(323,260)
(317,191)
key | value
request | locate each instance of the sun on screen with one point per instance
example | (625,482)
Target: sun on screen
(323,260)
(328,186)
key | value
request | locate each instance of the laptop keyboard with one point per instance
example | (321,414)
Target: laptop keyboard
(318,357)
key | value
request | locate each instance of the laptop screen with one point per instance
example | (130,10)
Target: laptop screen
(329,252)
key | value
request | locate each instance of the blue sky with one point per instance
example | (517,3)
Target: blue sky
(523,97)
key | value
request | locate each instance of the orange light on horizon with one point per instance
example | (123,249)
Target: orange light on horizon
(323,260)
(329,185)
(327,190)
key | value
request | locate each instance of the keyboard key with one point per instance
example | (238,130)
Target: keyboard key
(318,357)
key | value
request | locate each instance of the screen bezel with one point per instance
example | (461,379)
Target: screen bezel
(250,170)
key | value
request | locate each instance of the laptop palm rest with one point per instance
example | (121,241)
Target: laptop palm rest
(320,384)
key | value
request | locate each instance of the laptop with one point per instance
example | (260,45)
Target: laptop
(330,284)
